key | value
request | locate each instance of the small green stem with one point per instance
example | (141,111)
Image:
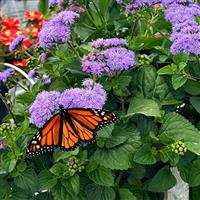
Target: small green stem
(8,109)
(101,17)
(74,50)
(118,179)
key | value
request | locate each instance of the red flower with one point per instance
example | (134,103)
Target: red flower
(10,24)
(7,36)
(21,63)
(33,31)
(27,43)
(34,16)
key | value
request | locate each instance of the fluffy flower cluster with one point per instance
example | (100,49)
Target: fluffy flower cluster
(101,43)
(186,31)
(102,60)
(16,42)
(92,95)
(6,74)
(53,2)
(2,145)
(131,8)
(57,30)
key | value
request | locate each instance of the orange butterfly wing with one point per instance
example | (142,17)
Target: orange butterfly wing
(88,121)
(56,133)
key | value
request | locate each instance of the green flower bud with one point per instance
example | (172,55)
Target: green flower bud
(176,151)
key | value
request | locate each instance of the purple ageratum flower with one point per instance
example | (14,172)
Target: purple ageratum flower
(53,34)
(87,97)
(2,145)
(112,42)
(92,95)
(107,61)
(6,74)
(57,30)
(44,106)
(31,73)
(43,57)
(119,58)
(54,2)
(119,1)
(186,31)
(16,42)
(66,17)
(46,79)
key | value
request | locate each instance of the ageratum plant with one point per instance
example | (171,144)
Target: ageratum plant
(138,59)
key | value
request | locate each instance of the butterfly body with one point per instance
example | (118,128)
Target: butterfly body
(67,128)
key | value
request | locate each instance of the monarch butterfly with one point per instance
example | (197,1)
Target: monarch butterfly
(68,128)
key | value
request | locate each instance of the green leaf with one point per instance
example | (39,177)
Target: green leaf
(71,184)
(179,128)
(162,181)
(106,132)
(96,192)
(192,87)
(190,173)
(126,194)
(102,176)
(46,180)
(59,193)
(20,194)
(43,6)
(146,107)
(121,156)
(195,101)
(153,86)
(7,164)
(178,81)
(4,187)
(115,141)
(28,181)
(58,169)
(145,155)
(181,57)
(167,70)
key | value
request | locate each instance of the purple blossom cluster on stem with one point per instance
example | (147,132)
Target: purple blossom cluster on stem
(57,30)
(2,145)
(53,2)
(107,57)
(91,95)
(132,7)
(16,42)
(186,31)
(6,74)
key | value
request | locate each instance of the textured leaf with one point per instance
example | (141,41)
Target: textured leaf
(162,181)
(46,180)
(153,86)
(72,184)
(28,181)
(102,176)
(145,155)
(7,164)
(195,101)
(146,107)
(179,128)
(58,169)
(178,81)
(126,194)
(190,173)
(96,192)
(121,156)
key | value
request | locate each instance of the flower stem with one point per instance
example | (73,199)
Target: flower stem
(118,179)
(74,50)
(8,109)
